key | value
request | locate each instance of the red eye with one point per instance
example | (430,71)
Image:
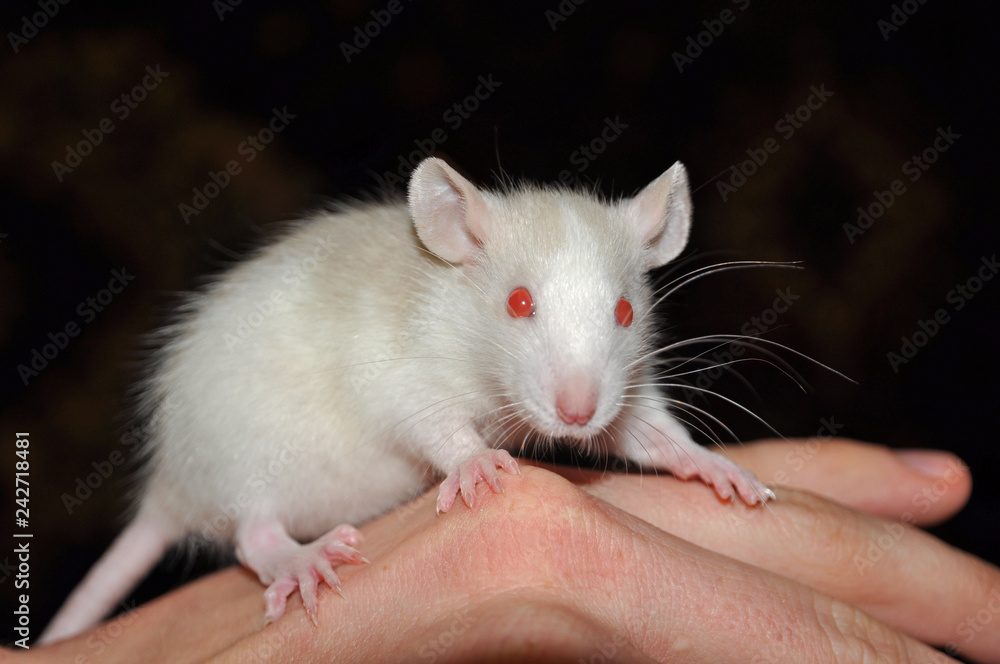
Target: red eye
(519,304)
(623,313)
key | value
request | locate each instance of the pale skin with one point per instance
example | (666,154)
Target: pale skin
(582,565)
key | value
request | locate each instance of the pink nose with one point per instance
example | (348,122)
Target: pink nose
(576,406)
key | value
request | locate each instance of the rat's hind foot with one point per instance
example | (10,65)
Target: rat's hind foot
(284,564)
(483,466)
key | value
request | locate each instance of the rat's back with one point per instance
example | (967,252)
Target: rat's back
(257,401)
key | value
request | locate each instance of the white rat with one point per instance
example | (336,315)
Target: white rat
(327,379)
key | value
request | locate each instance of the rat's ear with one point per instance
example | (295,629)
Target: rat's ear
(662,215)
(448,211)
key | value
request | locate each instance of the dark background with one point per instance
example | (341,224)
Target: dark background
(557,89)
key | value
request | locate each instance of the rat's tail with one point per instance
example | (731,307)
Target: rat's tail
(132,555)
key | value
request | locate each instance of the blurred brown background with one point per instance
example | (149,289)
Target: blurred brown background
(557,81)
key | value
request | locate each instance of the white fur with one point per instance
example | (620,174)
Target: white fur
(338,371)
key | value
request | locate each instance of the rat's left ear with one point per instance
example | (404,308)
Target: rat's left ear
(662,215)
(448,211)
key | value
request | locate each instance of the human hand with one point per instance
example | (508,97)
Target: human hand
(619,565)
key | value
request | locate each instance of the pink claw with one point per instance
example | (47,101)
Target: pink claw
(285,565)
(483,466)
(727,478)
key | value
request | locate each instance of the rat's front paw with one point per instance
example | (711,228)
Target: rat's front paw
(727,478)
(658,440)
(483,467)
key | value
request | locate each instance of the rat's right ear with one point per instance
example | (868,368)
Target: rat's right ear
(448,211)
(662,215)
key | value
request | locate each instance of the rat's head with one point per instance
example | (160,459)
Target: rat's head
(561,315)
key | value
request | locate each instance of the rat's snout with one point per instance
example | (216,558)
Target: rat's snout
(576,400)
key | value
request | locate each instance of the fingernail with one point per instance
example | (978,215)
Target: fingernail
(928,462)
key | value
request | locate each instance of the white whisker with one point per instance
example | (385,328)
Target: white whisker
(685,279)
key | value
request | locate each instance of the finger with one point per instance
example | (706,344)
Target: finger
(547,544)
(894,571)
(676,601)
(922,486)
(507,628)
